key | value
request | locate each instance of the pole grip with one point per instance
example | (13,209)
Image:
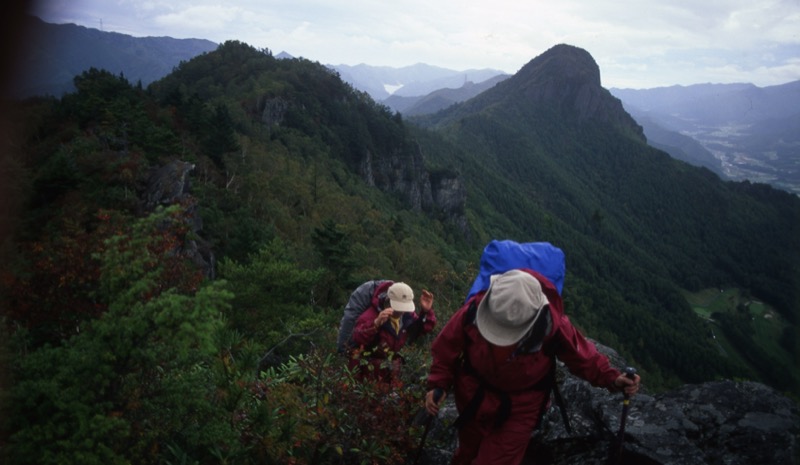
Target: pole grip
(629,372)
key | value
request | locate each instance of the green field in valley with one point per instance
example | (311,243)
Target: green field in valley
(767,324)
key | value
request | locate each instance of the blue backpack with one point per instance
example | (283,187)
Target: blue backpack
(500,256)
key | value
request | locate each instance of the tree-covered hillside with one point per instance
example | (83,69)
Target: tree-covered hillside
(148,319)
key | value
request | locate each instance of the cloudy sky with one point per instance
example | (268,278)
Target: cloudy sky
(636,43)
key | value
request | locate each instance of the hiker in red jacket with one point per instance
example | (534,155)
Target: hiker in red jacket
(385,327)
(496,352)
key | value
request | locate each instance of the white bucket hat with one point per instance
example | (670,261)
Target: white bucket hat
(401,297)
(510,307)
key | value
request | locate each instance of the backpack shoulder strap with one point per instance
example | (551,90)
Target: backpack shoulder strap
(550,349)
(562,406)
(469,316)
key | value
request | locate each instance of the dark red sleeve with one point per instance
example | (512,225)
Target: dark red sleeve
(446,349)
(429,323)
(365,330)
(581,356)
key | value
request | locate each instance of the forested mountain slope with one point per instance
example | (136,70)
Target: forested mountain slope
(173,243)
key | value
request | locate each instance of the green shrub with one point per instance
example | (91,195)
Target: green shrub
(312,410)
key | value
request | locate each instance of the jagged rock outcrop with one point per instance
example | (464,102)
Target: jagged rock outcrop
(720,422)
(273,111)
(168,185)
(399,172)
(404,173)
(450,197)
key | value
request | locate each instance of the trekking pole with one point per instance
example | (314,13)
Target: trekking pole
(616,451)
(437,394)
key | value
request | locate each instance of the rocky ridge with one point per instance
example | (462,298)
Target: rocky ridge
(720,422)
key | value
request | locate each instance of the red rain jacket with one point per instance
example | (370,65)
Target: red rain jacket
(516,374)
(381,342)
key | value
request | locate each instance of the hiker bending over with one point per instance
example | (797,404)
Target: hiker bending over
(386,326)
(497,353)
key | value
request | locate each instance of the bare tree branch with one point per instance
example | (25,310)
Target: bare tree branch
(285,340)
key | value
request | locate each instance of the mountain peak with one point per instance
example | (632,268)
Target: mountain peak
(566,62)
(567,78)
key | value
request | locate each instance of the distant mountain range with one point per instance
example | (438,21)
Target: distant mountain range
(55,53)
(381,82)
(440,98)
(416,89)
(737,131)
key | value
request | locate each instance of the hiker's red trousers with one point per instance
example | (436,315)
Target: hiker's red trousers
(481,444)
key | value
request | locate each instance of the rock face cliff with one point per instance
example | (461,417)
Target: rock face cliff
(168,185)
(404,173)
(721,422)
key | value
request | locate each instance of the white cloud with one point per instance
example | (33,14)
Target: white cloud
(200,18)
